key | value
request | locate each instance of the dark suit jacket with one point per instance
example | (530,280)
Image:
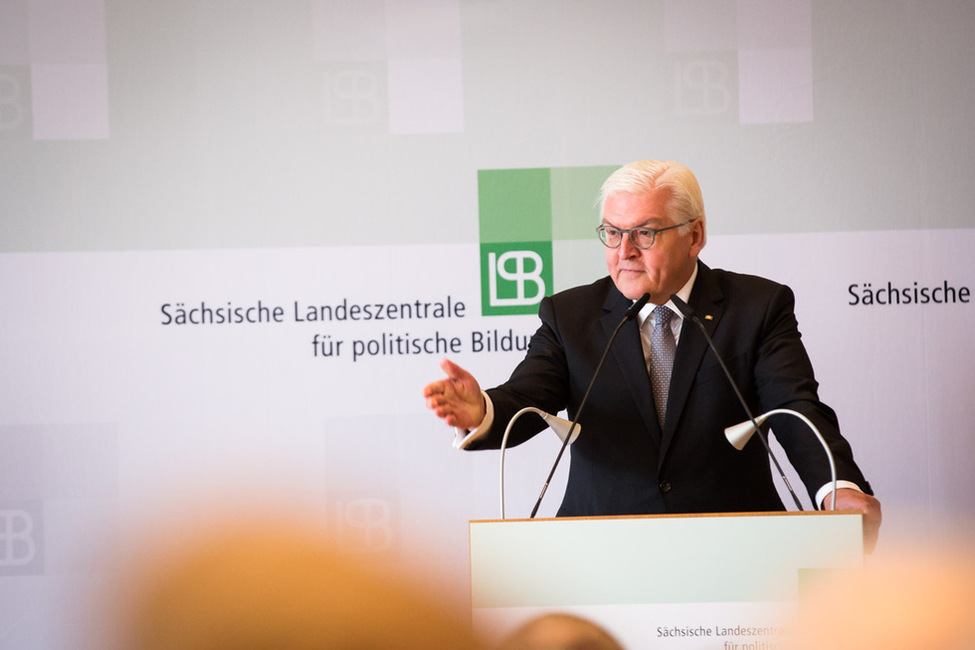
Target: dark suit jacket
(622,462)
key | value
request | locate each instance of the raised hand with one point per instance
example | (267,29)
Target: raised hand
(457,399)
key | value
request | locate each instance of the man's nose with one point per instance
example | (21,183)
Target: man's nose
(627,249)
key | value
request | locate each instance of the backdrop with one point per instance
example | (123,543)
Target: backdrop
(238,236)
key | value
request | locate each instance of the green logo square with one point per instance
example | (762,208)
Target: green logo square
(515,276)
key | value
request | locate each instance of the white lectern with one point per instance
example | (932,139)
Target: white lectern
(729,582)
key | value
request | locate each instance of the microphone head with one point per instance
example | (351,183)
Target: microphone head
(636,307)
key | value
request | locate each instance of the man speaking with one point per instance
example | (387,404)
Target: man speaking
(652,438)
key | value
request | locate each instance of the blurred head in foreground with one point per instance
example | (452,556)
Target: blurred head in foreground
(559,632)
(278,587)
(905,600)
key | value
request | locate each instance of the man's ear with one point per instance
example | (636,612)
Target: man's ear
(698,237)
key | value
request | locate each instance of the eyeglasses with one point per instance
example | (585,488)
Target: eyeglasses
(641,237)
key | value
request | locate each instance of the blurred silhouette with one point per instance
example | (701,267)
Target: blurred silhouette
(269,585)
(559,632)
(905,600)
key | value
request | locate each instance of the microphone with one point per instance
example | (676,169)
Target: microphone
(627,317)
(687,312)
(632,312)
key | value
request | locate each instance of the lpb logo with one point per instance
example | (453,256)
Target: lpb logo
(521,213)
(518,276)
(20,539)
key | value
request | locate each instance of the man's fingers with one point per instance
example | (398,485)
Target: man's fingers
(872,515)
(456,398)
(452,370)
(447,366)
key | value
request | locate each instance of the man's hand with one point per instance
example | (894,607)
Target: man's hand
(456,399)
(847,499)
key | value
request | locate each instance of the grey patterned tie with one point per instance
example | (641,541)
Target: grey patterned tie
(662,350)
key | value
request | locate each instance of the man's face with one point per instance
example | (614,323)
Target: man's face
(661,269)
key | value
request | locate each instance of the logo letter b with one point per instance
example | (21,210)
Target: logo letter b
(17,546)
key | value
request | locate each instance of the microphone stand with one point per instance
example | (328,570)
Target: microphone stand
(630,315)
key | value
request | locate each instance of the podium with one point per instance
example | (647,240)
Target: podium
(726,581)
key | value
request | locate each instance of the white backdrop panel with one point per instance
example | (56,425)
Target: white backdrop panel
(326,153)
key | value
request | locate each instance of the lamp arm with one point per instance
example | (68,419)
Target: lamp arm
(822,441)
(504,441)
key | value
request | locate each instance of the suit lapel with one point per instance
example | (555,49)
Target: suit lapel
(705,300)
(627,352)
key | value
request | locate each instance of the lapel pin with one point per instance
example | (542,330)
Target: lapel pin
(708,317)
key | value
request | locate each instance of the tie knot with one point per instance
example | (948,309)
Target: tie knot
(662,316)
